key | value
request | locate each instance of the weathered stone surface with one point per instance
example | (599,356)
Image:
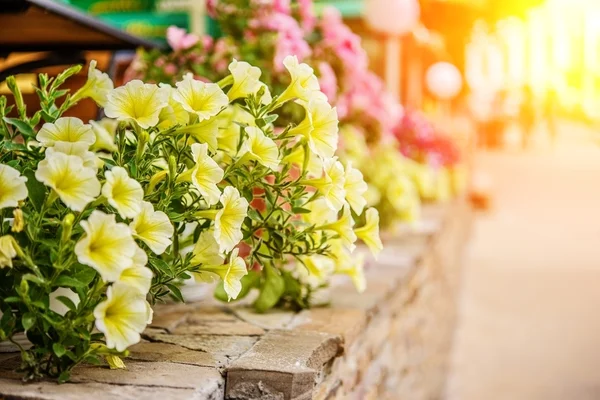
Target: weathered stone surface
(273,319)
(216,321)
(282,365)
(222,348)
(166,352)
(15,389)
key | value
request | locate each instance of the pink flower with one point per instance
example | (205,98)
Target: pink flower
(211,6)
(307,15)
(179,39)
(328,81)
(170,69)
(282,6)
(342,41)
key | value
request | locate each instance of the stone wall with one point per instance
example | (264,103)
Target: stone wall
(391,342)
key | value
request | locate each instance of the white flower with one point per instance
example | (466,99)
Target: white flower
(105,131)
(97,87)
(12,187)
(122,316)
(153,228)
(203,99)
(66,129)
(137,101)
(343,227)
(7,251)
(174,113)
(75,184)
(260,148)
(107,246)
(246,80)
(75,149)
(206,174)
(123,193)
(206,250)
(331,184)
(236,270)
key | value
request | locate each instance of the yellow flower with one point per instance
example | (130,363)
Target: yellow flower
(18,221)
(319,128)
(204,131)
(349,264)
(206,253)
(75,184)
(12,187)
(315,270)
(369,233)
(202,99)
(114,362)
(260,148)
(320,212)
(153,228)
(97,87)
(7,251)
(304,84)
(353,145)
(245,80)
(356,188)
(138,276)
(315,163)
(122,316)
(331,184)
(174,113)
(231,274)
(105,131)
(137,101)
(343,227)
(107,246)
(229,219)
(236,270)
(229,132)
(66,129)
(205,175)
(123,193)
(80,150)
(402,193)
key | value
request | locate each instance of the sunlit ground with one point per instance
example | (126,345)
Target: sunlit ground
(530,326)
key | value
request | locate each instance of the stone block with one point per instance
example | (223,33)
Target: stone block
(272,319)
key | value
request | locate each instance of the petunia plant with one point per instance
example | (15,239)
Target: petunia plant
(197,181)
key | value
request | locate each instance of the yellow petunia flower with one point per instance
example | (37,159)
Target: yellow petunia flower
(320,212)
(202,99)
(205,175)
(12,187)
(123,193)
(138,276)
(75,149)
(174,113)
(105,131)
(246,80)
(122,316)
(206,252)
(344,228)
(205,131)
(356,188)
(153,228)
(229,219)
(137,101)
(304,84)
(97,87)
(350,264)
(231,274)
(369,233)
(260,148)
(107,246)
(75,184)
(315,270)
(7,251)
(67,130)
(228,134)
(331,184)
(319,128)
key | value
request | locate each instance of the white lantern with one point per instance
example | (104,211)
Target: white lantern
(444,80)
(392,17)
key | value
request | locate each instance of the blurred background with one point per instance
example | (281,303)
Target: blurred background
(519,82)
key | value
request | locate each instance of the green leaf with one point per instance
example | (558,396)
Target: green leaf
(12,146)
(85,275)
(68,281)
(160,265)
(300,210)
(67,302)
(271,290)
(64,376)
(28,320)
(249,281)
(36,190)
(59,349)
(22,126)
(175,292)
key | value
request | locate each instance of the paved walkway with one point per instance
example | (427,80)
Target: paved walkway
(530,311)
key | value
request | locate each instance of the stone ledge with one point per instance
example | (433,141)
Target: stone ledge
(389,342)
